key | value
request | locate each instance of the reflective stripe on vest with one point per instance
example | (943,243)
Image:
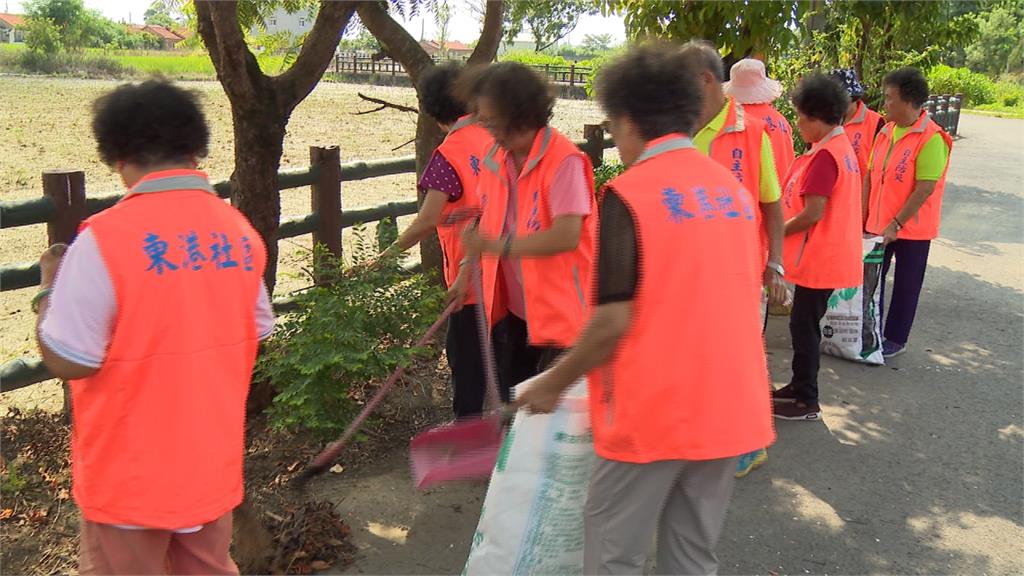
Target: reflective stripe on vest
(893,178)
(158,436)
(661,397)
(828,254)
(463,148)
(555,303)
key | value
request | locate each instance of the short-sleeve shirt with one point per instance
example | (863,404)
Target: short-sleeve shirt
(569,196)
(770,190)
(821,177)
(440,175)
(79,321)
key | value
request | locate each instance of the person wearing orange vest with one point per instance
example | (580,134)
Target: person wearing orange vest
(903,196)
(536,233)
(449,186)
(750,86)
(862,123)
(823,234)
(739,140)
(155,316)
(672,408)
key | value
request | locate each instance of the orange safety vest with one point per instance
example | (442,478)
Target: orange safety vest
(737,147)
(159,430)
(893,169)
(463,148)
(861,132)
(689,379)
(780,133)
(553,286)
(828,254)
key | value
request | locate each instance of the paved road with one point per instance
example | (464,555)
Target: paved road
(916,466)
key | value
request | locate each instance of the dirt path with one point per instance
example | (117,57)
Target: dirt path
(916,467)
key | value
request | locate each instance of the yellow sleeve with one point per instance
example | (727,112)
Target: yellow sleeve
(770,191)
(931,161)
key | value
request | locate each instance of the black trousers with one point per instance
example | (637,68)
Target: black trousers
(517,359)
(809,306)
(466,360)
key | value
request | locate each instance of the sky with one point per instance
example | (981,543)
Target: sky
(463,26)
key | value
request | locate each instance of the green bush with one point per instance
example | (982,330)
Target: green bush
(531,58)
(42,36)
(70,64)
(1009,94)
(606,172)
(977,88)
(348,332)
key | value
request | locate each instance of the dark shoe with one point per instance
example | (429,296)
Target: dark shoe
(785,394)
(798,410)
(891,349)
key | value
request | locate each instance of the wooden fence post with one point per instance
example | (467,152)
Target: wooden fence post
(67,190)
(337,63)
(355,65)
(572,75)
(594,135)
(325,201)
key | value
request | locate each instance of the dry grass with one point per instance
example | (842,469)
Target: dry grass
(45,124)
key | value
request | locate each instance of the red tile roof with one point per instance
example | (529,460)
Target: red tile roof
(163,32)
(13,20)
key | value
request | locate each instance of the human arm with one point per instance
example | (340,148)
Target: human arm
(59,365)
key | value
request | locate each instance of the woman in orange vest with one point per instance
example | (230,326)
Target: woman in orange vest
(750,85)
(738,140)
(448,186)
(861,123)
(671,407)
(903,196)
(155,316)
(536,232)
(823,234)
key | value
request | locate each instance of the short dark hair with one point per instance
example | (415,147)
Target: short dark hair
(702,55)
(437,95)
(911,83)
(524,99)
(822,98)
(149,123)
(653,86)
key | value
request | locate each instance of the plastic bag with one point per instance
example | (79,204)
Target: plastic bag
(532,518)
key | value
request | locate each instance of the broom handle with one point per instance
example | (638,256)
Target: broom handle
(331,452)
(483,328)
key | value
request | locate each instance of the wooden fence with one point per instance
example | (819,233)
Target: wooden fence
(64,205)
(359,63)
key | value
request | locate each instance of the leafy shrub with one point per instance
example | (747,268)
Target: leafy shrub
(977,88)
(349,331)
(42,36)
(531,58)
(1009,94)
(71,63)
(606,172)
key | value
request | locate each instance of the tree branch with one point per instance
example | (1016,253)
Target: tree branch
(383,104)
(490,37)
(315,56)
(403,145)
(236,65)
(398,43)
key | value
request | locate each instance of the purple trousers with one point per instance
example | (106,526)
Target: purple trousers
(911,262)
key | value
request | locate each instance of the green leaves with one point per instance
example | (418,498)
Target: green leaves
(348,332)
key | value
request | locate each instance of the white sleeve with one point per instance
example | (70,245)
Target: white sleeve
(79,321)
(264,314)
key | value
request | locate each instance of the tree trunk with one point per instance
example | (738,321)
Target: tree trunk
(415,60)
(259,130)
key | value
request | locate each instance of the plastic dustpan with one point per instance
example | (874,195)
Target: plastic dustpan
(462,450)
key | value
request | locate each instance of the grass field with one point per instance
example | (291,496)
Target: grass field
(45,124)
(170,63)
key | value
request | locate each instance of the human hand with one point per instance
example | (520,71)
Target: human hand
(540,395)
(49,262)
(776,286)
(890,232)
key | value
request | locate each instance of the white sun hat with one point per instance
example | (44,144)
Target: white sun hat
(749,84)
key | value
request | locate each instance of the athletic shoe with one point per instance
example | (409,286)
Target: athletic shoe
(891,349)
(785,394)
(798,410)
(749,461)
